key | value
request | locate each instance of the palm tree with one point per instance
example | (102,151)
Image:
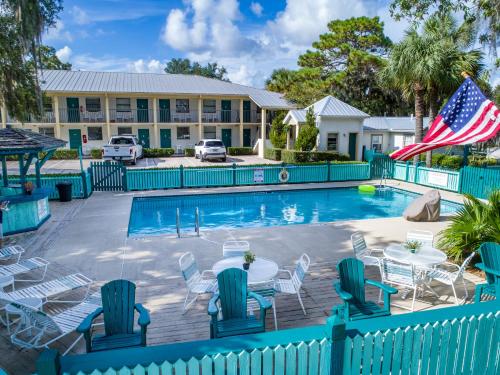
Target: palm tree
(428,66)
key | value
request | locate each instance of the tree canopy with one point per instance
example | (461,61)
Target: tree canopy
(343,63)
(49,60)
(185,66)
(308,133)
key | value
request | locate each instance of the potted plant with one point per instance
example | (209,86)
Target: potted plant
(413,246)
(249,258)
(29,187)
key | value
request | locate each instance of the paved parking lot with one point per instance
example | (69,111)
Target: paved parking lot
(62,166)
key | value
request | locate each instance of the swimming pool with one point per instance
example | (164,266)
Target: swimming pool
(157,215)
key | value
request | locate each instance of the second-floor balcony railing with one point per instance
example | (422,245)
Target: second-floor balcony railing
(47,117)
(78,115)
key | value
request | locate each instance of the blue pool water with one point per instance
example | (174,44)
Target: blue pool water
(156,215)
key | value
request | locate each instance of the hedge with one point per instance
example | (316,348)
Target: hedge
(293,156)
(236,151)
(158,152)
(63,154)
(272,154)
(189,151)
(96,153)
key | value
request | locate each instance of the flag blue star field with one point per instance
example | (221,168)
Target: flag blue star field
(468,117)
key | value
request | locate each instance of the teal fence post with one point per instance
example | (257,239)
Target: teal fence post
(181,175)
(328,170)
(234,174)
(407,171)
(370,166)
(415,177)
(84,184)
(124,177)
(460,174)
(336,332)
(48,363)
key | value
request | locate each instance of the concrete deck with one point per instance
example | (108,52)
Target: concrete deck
(90,236)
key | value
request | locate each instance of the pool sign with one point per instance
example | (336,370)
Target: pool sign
(437,178)
(258,175)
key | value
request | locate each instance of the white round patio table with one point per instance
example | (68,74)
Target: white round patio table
(426,256)
(261,270)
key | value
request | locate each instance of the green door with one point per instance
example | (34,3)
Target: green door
(73,106)
(164,105)
(142,110)
(226,111)
(352,145)
(165,138)
(246,111)
(75,138)
(247,138)
(143,137)
(226,137)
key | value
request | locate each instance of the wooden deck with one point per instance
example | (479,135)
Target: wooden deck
(169,324)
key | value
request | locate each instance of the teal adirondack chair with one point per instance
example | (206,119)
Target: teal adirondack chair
(232,298)
(490,256)
(118,305)
(351,289)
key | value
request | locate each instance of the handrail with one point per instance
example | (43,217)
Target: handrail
(178,222)
(197,221)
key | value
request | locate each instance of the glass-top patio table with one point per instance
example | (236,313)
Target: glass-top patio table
(260,271)
(427,256)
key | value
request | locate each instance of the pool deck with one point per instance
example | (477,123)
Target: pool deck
(90,236)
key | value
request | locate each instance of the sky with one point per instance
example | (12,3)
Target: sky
(250,38)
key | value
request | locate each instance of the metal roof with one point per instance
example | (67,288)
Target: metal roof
(392,124)
(70,81)
(19,141)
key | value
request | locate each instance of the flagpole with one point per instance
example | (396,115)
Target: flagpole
(465,160)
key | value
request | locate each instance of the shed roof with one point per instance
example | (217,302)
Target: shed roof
(19,141)
(70,81)
(405,124)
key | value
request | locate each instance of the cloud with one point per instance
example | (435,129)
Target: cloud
(80,16)
(64,54)
(110,63)
(58,33)
(256,8)
(144,66)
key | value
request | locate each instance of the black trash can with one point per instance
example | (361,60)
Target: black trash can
(65,189)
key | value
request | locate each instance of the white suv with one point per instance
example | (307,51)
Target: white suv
(210,149)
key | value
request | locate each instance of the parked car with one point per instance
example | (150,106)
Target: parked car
(124,147)
(210,149)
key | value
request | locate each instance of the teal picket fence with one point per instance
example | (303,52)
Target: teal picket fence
(438,178)
(349,172)
(108,176)
(153,179)
(204,177)
(81,186)
(480,182)
(453,340)
(381,164)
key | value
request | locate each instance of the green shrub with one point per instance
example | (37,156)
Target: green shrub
(328,156)
(62,154)
(272,154)
(436,159)
(277,136)
(452,162)
(96,153)
(158,152)
(294,156)
(308,133)
(476,161)
(235,151)
(189,152)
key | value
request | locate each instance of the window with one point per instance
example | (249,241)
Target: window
(332,142)
(47,131)
(214,144)
(94,133)
(123,104)
(94,104)
(124,130)
(183,132)
(407,140)
(208,105)
(182,105)
(122,141)
(377,142)
(209,132)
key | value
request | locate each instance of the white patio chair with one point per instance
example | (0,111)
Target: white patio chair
(266,289)
(405,275)
(10,252)
(425,237)
(197,282)
(41,325)
(449,273)
(235,248)
(370,257)
(25,266)
(293,284)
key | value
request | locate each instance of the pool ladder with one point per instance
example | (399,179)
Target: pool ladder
(196,222)
(383,179)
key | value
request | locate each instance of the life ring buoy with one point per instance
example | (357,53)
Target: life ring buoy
(283,175)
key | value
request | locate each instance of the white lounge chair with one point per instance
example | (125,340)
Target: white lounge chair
(197,282)
(425,237)
(370,257)
(59,325)
(394,273)
(25,266)
(293,284)
(449,273)
(11,252)
(235,248)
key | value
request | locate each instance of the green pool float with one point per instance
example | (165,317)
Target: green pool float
(367,188)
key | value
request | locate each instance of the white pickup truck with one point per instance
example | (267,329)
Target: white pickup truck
(123,147)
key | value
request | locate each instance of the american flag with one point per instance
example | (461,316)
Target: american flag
(468,117)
